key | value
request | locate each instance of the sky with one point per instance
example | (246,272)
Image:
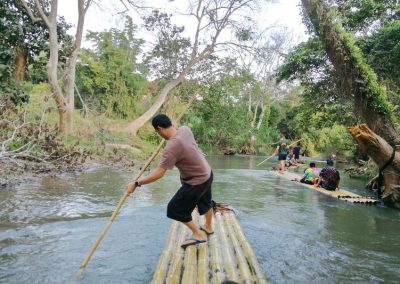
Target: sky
(106,15)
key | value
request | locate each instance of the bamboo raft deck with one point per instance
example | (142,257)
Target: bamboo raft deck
(225,256)
(338,193)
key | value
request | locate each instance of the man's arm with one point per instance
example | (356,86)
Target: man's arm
(153,176)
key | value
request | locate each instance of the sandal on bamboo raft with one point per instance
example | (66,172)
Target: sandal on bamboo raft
(191,242)
(205,231)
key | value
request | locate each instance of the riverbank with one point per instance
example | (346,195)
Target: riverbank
(14,171)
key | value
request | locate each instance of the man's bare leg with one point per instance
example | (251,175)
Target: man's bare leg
(196,233)
(208,217)
(281,166)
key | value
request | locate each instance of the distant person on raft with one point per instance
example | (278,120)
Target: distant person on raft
(281,150)
(329,177)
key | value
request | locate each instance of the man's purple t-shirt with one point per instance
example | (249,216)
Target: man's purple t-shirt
(296,150)
(182,151)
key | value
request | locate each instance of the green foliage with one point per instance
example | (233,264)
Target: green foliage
(169,54)
(364,15)
(307,60)
(334,139)
(383,53)
(325,100)
(109,76)
(17,31)
(219,119)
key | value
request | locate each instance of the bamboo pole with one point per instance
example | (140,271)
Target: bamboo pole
(202,264)
(125,196)
(251,257)
(259,164)
(230,265)
(162,267)
(175,268)
(189,275)
(245,273)
(216,264)
(203,259)
(262,162)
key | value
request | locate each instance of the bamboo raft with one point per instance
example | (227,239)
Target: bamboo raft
(298,165)
(225,256)
(338,193)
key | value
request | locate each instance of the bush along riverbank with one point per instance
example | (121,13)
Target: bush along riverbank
(30,145)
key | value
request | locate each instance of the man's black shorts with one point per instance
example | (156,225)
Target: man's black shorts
(282,157)
(181,206)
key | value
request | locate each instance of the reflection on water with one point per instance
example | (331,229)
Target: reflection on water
(299,235)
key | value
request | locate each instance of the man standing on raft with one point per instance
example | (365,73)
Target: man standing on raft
(196,176)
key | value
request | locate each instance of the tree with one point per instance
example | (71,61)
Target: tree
(109,74)
(220,119)
(375,27)
(212,19)
(42,11)
(361,85)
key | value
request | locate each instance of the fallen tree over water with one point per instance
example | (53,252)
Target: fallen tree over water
(387,183)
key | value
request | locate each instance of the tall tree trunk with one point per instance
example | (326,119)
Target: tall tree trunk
(64,101)
(356,76)
(255,115)
(250,102)
(381,152)
(134,126)
(52,67)
(261,118)
(20,63)
(218,16)
(71,66)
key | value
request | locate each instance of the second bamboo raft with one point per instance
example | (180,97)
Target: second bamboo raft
(338,193)
(225,256)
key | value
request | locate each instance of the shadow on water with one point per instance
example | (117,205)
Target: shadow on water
(299,235)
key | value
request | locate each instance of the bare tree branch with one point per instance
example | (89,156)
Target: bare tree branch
(42,14)
(29,11)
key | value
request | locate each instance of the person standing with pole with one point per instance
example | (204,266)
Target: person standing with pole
(196,177)
(281,150)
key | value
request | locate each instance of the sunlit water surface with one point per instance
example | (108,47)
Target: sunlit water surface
(299,235)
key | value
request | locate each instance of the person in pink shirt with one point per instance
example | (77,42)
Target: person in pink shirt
(196,177)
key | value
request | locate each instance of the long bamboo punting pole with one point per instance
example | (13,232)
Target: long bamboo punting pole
(123,199)
(250,255)
(262,162)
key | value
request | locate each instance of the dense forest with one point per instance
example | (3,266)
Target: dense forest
(339,91)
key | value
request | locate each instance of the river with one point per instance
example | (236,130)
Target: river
(299,235)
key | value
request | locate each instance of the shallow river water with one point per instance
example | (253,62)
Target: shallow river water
(299,235)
